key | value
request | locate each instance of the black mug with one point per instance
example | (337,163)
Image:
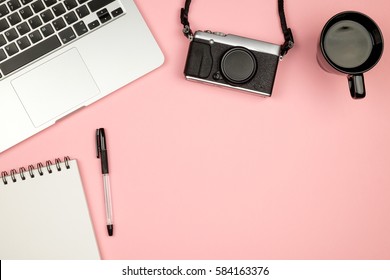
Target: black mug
(350,44)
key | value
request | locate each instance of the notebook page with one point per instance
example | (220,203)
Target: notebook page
(46,217)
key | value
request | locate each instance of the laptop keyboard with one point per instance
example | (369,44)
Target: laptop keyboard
(30,29)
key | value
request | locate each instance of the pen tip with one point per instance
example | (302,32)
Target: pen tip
(110,229)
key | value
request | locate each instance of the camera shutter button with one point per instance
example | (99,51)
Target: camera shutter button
(238,65)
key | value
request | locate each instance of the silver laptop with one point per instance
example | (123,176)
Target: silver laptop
(57,56)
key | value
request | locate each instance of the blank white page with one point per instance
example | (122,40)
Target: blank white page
(46,217)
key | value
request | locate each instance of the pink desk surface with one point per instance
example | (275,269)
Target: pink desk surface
(201,172)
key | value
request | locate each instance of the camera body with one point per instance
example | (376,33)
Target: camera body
(232,61)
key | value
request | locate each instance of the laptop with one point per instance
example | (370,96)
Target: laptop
(57,56)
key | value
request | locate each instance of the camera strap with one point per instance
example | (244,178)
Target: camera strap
(288,37)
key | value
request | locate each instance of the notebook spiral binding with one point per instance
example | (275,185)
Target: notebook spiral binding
(31,170)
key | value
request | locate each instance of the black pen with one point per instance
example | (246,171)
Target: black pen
(101,146)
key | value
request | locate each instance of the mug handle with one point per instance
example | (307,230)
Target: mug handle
(356,86)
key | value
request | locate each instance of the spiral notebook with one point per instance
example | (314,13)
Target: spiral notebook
(44,213)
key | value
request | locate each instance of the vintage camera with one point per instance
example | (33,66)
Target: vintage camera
(232,61)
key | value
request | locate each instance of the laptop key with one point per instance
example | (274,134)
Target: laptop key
(23,28)
(11,49)
(3,24)
(59,24)
(59,9)
(3,10)
(95,5)
(13,5)
(70,4)
(49,2)
(2,55)
(117,12)
(29,55)
(47,16)
(14,18)
(80,28)
(82,11)
(11,34)
(38,6)
(26,12)
(67,35)
(3,41)
(47,30)
(23,42)
(70,17)
(103,15)
(35,22)
(35,36)
(93,24)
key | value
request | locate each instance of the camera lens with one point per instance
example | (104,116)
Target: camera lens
(238,65)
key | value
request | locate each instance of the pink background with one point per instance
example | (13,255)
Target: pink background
(201,172)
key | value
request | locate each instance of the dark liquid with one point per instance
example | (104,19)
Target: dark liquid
(348,44)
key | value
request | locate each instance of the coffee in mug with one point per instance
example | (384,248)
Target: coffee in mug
(350,44)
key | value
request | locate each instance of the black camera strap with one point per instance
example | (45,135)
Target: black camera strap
(288,37)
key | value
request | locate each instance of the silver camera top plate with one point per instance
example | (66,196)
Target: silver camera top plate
(234,40)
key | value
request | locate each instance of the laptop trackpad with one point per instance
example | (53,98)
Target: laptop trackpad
(58,86)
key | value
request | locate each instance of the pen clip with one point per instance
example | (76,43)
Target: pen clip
(101,149)
(98,143)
